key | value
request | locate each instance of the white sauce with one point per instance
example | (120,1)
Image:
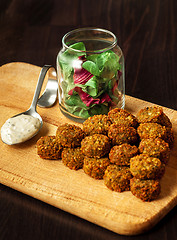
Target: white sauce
(19,129)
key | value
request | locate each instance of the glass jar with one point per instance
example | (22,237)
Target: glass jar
(90,68)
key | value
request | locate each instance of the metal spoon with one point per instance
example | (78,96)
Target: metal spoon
(31,111)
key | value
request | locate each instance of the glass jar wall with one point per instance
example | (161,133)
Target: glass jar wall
(90,69)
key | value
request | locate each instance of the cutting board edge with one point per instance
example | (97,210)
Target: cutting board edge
(142,226)
(19,63)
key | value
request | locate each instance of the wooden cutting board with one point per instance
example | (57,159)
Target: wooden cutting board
(74,191)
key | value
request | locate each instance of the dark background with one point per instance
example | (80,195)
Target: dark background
(31,31)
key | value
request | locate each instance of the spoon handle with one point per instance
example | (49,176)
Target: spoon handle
(43,72)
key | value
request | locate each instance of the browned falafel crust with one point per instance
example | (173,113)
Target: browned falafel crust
(153,114)
(144,167)
(49,148)
(146,190)
(154,130)
(97,145)
(157,148)
(95,167)
(69,135)
(151,130)
(73,158)
(121,116)
(97,124)
(120,134)
(121,154)
(117,178)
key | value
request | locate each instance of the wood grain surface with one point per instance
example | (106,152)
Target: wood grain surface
(74,191)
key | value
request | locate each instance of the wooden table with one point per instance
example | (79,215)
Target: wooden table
(31,32)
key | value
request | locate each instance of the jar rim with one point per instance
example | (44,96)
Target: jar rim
(112,44)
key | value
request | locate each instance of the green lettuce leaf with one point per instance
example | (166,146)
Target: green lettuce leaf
(91,67)
(94,87)
(99,109)
(74,100)
(76,46)
(108,64)
(67,57)
(82,113)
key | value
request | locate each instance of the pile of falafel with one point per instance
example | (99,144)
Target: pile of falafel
(128,152)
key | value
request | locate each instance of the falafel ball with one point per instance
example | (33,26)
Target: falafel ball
(144,167)
(157,148)
(95,167)
(117,178)
(146,190)
(121,116)
(69,135)
(49,148)
(73,158)
(151,130)
(97,145)
(97,124)
(121,154)
(153,114)
(120,134)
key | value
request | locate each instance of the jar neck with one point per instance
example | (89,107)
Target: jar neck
(96,40)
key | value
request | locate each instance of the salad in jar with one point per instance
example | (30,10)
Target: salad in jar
(89,83)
